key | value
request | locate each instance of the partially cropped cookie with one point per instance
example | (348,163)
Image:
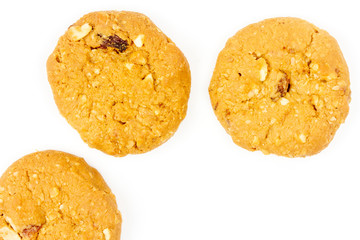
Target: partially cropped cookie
(281,86)
(120,82)
(56,195)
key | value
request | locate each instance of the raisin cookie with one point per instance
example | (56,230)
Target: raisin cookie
(281,86)
(120,82)
(56,195)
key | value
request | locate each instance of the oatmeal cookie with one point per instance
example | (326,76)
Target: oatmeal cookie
(56,195)
(120,82)
(281,86)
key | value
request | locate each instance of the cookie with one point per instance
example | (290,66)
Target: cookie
(56,195)
(281,86)
(120,82)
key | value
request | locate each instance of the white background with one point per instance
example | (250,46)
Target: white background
(198,185)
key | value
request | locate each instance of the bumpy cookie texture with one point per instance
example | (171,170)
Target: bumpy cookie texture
(281,86)
(56,195)
(120,82)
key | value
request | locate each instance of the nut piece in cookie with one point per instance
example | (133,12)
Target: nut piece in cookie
(286,97)
(78,32)
(7,233)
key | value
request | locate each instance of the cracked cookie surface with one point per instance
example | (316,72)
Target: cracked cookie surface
(120,82)
(56,195)
(281,86)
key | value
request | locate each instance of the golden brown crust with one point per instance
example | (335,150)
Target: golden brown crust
(281,86)
(56,195)
(120,82)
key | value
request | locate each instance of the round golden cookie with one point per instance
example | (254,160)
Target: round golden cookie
(281,86)
(56,195)
(120,82)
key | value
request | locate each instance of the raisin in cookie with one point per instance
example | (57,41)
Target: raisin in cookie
(120,82)
(281,86)
(56,195)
